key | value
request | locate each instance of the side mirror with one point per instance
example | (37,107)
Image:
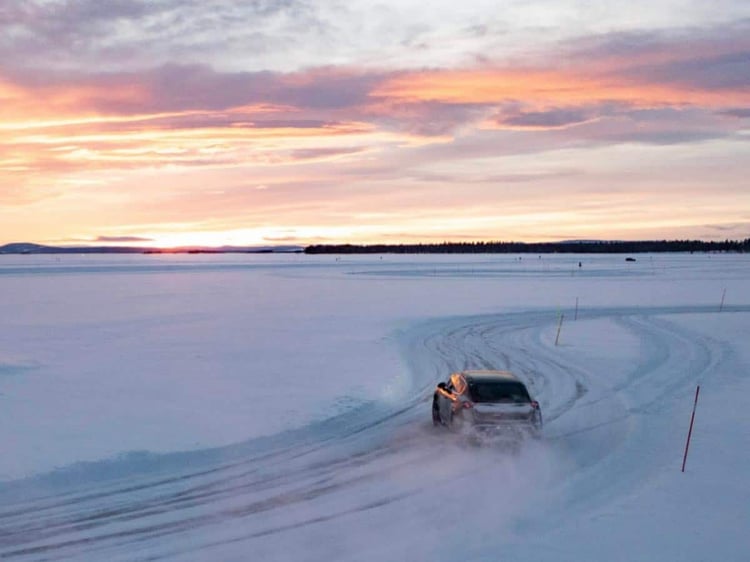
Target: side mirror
(441,385)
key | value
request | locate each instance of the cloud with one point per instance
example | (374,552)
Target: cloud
(288,238)
(42,34)
(739,112)
(507,178)
(323,153)
(127,34)
(516,116)
(393,133)
(177,87)
(722,72)
(427,118)
(197,86)
(122,239)
(730,227)
(707,59)
(598,76)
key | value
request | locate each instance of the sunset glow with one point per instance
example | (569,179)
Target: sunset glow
(639,131)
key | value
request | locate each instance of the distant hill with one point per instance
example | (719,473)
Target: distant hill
(30,248)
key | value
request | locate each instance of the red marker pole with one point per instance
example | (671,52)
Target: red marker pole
(690,432)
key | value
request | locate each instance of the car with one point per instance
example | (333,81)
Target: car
(495,402)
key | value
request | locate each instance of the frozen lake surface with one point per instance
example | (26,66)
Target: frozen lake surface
(277,407)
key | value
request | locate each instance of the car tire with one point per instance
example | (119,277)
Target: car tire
(537,432)
(436,412)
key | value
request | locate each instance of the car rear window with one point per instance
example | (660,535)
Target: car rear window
(498,391)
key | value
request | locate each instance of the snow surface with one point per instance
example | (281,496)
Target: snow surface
(276,407)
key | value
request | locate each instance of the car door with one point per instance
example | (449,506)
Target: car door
(445,401)
(453,389)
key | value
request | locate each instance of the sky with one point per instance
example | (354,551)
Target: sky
(194,122)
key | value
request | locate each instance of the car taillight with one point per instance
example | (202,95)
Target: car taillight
(468,405)
(535,404)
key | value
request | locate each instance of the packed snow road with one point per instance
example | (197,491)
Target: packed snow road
(378,482)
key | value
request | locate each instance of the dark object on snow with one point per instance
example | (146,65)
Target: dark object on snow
(487,402)
(629,259)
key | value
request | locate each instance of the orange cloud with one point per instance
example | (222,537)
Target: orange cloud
(58,101)
(544,87)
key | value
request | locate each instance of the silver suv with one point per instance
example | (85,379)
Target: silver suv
(487,401)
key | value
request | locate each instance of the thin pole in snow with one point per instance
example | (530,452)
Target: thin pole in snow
(559,327)
(690,431)
(723,294)
(576,316)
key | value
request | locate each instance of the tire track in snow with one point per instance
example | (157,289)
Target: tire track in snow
(257,488)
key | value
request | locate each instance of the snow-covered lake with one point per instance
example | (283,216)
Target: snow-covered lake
(277,407)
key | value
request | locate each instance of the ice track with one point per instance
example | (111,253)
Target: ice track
(342,485)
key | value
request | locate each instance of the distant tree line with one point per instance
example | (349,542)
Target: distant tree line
(583,247)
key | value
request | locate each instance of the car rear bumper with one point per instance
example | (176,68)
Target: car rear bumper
(508,429)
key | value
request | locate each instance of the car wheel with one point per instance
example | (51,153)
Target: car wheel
(537,432)
(435,412)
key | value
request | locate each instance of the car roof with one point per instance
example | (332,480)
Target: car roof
(487,375)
